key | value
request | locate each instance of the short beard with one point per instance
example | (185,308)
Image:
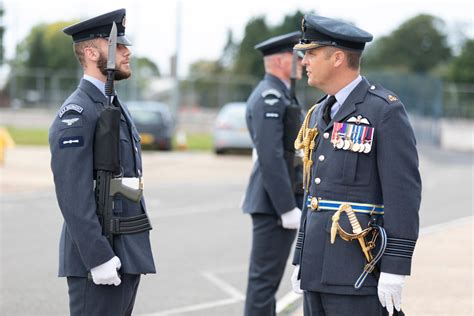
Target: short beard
(119,75)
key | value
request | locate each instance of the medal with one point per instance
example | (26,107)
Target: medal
(347,141)
(358,134)
(347,144)
(362,139)
(335,132)
(340,143)
(367,148)
(368,145)
(341,134)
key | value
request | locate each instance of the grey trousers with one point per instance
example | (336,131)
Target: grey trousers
(271,245)
(88,299)
(325,304)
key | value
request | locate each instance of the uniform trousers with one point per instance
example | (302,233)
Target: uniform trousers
(89,299)
(271,246)
(325,304)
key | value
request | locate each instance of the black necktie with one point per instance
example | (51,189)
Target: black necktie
(327,109)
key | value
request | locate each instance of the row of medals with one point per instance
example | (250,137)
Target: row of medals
(357,138)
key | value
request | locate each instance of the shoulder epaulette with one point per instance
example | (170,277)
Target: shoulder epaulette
(384,94)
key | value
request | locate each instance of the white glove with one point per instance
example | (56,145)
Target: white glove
(291,219)
(390,291)
(295,282)
(106,273)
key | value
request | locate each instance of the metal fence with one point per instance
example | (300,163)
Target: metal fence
(427,99)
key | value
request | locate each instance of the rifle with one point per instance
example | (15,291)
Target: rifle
(107,153)
(292,122)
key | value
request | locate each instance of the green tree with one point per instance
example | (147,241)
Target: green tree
(249,60)
(46,47)
(229,52)
(291,23)
(462,66)
(418,45)
(146,67)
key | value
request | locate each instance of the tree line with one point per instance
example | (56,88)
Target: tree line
(419,45)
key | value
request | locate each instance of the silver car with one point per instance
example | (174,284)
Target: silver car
(230,129)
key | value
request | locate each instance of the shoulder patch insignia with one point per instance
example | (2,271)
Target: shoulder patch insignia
(271,101)
(69,122)
(70,107)
(272,92)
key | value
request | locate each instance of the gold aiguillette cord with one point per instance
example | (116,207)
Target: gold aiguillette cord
(306,141)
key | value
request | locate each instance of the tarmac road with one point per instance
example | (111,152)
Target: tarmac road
(201,240)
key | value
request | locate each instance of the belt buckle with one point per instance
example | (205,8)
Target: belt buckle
(314,204)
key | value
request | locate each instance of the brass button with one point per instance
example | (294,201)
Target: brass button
(321,158)
(314,203)
(326,135)
(317,180)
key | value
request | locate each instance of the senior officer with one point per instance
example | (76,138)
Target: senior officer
(114,271)
(363,167)
(270,196)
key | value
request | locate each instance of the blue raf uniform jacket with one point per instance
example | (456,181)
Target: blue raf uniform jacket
(71,139)
(269,190)
(388,175)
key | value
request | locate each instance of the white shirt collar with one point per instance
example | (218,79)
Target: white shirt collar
(286,83)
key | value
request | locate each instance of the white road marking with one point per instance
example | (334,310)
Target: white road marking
(224,286)
(235,297)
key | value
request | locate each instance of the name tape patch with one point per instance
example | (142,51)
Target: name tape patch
(72,141)
(70,107)
(272,115)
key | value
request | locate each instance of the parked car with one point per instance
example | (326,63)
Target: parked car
(154,123)
(230,129)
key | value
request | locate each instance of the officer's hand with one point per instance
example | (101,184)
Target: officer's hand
(291,219)
(106,273)
(295,282)
(390,291)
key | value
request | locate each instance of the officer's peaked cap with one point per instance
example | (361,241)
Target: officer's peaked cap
(321,31)
(279,44)
(99,27)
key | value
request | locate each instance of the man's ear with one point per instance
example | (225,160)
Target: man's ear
(338,58)
(91,53)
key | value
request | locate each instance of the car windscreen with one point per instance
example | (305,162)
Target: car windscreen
(233,115)
(146,117)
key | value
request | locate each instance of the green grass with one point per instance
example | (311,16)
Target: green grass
(39,136)
(29,136)
(196,141)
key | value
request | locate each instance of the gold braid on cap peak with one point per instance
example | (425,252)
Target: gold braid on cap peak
(306,141)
